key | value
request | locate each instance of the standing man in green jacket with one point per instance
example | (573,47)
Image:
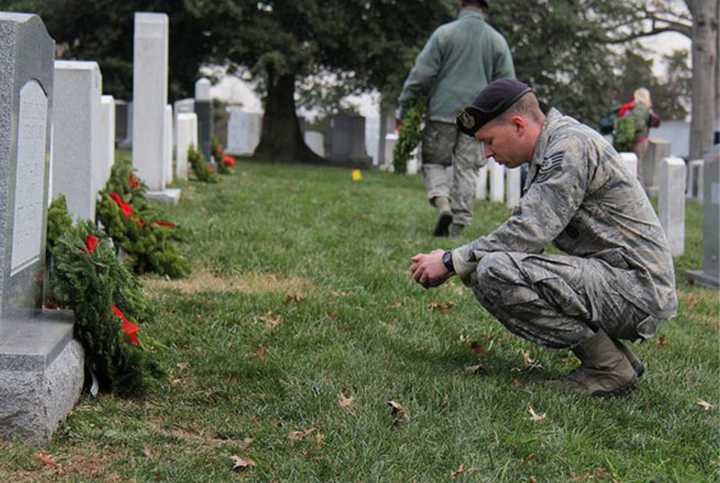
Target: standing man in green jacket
(460,58)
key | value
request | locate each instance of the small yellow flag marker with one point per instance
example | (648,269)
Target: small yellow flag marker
(356,175)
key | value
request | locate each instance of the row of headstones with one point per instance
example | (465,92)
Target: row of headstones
(57,137)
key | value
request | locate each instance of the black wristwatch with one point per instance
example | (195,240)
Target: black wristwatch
(447,261)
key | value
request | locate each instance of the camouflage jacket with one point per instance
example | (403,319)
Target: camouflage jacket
(579,196)
(457,62)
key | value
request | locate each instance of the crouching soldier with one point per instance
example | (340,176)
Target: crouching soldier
(616,281)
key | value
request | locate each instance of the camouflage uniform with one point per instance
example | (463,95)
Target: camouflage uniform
(618,275)
(459,59)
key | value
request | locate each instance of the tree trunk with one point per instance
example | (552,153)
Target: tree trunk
(704,80)
(281,138)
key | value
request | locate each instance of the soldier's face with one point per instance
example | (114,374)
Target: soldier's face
(505,140)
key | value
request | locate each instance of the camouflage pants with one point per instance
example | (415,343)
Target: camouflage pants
(443,145)
(560,301)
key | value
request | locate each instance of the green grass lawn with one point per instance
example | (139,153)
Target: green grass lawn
(300,322)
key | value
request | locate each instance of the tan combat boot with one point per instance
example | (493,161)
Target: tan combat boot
(604,369)
(636,363)
(444,217)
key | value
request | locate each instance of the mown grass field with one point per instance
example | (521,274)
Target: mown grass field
(299,324)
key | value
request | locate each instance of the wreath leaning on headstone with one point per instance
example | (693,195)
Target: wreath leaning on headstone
(149,243)
(200,166)
(409,137)
(108,303)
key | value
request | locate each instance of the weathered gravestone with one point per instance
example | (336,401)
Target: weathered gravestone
(514,187)
(315,140)
(630,162)
(107,140)
(168,136)
(497,181)
(244,130)
(41,365)
(657,150)
(203,109)
(482,189)
(391,141)
(695,180)
(671,203)
(150,89)
(123,124)
(186,137)
(710,273)
(345,141)
(77,139)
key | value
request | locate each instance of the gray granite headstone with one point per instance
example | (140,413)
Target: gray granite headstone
(657,150)
(123,123)
(41,366)
(345,141)
(244,129)
(710,274)
(203,109)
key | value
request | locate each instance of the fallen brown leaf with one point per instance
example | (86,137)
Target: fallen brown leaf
(294,297)
(474,369)
(516,383)
(271,320)
(529,362)
(536,417)
(530,457)
(532,479)
(340,293)
(241,463)
(182,365)
(245,445)
(344,401)
(261,352)
(459,471)
(704,404)
(399,413)
(46,459)
(443,307)
(662,341)
(395,305)
(148,452)
(300,435)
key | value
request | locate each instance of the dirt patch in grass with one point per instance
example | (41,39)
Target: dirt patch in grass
(249,282)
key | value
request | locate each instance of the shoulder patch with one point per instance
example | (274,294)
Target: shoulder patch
(551,163)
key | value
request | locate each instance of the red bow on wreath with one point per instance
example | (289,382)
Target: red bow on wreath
(229,160)
(128,327)
(124,207)
(91,242)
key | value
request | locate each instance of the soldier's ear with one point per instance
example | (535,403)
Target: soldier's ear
(520,124)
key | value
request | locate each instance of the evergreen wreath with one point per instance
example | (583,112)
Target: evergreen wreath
(409,137)
(149,243)
(108,303)
(58,222)
(624,135)
(200,166)
(218,154)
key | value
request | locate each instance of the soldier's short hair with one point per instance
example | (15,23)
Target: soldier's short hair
(526,106)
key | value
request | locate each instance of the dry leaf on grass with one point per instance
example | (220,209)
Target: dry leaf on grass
(271,320)
(296,297)
(536,417)
(300,435)
(459,471)
(516,383)
(182,365)
(340,293)
(344,401)
(528,363)
(704,404)
(662,341)
(46,459)
(532,479)
(443,307)
(399,413)
(474,369)
(395,305)
(148,452)
(261,351)
(241,463)
(245,445)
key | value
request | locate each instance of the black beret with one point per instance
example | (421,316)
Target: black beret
(492,101)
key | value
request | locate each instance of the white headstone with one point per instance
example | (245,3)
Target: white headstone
(372,131)
(150,92)
(671,202)
(497,181)
(186,137)
(77,136)
(481,191)
(244,130)
(315,140)
(390,141)
(168,136)
(514,187)
(695,179)
(107,137)
(630,162)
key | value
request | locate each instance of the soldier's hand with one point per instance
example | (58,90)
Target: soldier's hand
(428,270)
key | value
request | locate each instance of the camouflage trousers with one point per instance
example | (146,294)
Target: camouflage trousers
(559,301)
(443,145)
